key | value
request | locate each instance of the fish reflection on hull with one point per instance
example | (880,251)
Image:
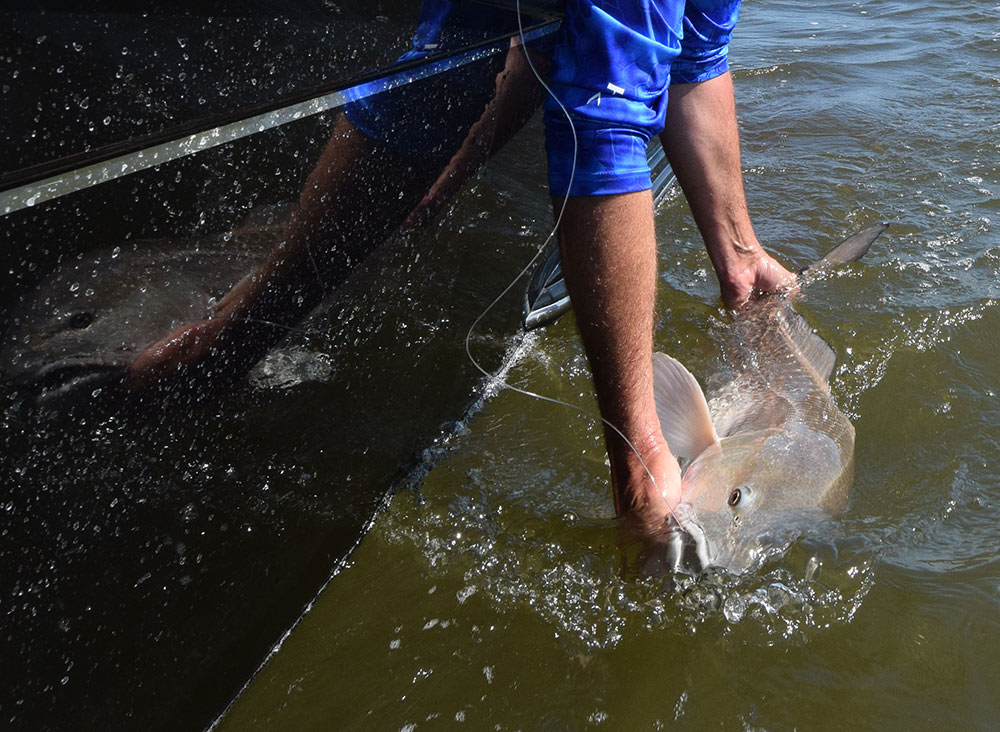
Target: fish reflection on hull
(75,336)
(771,453)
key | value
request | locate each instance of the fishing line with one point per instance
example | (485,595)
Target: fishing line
(282,326)
(496,380)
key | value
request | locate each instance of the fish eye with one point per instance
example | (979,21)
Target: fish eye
(80,320)
(740,495)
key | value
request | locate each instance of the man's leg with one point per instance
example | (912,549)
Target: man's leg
(703,146)
(608,251)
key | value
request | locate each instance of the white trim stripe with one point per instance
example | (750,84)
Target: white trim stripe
(48,189)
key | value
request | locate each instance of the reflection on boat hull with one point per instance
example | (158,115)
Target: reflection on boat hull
(158,554)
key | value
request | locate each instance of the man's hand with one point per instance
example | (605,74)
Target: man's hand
(754,274)
(657,523)
(190,344)
(647,506)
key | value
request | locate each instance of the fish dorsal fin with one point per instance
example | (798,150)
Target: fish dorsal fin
(809,344)
(681,408)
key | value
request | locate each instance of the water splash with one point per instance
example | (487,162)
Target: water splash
(576,577)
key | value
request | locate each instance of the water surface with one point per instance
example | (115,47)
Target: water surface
(494,596)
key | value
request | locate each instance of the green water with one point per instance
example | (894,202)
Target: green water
(494,597)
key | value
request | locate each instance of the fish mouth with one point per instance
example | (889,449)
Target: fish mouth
(698,544)
(688,548)
(68,378)
(713,541)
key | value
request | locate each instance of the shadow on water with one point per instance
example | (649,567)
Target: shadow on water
(157,543)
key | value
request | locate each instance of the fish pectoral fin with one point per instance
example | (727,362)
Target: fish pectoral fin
(681,407)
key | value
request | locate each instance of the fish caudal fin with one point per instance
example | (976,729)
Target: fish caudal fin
(849,250)
(681,407)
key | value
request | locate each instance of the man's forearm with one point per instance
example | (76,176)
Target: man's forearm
(702,143)
(608,251)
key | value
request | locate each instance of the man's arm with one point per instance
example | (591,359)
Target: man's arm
(609,260)
(608,250)
(702,143)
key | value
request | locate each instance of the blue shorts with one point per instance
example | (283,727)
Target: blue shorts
(611,67)
(408,118)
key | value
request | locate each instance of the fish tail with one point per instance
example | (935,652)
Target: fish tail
(849,250)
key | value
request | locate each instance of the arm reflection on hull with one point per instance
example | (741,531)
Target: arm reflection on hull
(367,183)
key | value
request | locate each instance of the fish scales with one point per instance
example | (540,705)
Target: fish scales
(781,386)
